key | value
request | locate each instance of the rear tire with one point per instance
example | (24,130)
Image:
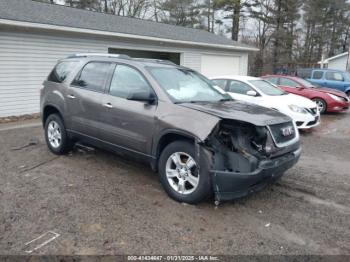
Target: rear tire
(182,181)
(321,104)
(56,136)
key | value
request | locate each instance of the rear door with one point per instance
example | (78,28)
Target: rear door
(127,123)
(335,80)
(84,98)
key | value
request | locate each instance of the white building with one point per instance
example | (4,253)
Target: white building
(33,36)
(338,62)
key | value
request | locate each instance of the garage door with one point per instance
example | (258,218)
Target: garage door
(214,65)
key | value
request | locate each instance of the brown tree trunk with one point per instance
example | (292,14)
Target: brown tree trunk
(277,32)
(235,20)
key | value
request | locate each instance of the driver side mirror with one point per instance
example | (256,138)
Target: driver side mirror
(300,87)
(252,93)
(143,96)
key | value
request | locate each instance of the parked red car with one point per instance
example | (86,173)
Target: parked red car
(327,100)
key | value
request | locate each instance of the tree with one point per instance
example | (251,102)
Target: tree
(233,8)
(260,12)
(181,12)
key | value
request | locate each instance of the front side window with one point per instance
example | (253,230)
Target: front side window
(184,85)
(61,71)
(288,82)
(334,76)
(93,76)
(267,88)
(127,81)
(239,87)
(317,75)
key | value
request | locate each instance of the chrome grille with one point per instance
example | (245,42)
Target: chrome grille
(283,133)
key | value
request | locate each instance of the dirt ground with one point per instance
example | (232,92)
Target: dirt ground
(97,203)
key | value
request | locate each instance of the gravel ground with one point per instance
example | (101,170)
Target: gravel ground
(101,204)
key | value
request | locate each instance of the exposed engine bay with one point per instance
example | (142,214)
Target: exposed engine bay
(240,146)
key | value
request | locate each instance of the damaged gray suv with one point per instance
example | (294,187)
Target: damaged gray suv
(200,141)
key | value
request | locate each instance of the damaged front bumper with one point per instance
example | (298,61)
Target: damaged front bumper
(232,185)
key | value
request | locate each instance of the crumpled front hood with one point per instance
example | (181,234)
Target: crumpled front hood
(240,111)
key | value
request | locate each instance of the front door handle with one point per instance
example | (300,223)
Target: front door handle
(108,105)
(71,96)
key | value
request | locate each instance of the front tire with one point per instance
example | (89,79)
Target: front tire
(321,104)
(348,94)
(56,135)
(180,176)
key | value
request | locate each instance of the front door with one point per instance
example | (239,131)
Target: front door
(84,98)
(127,123)
(239,91)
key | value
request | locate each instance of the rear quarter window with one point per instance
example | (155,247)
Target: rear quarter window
(61,71)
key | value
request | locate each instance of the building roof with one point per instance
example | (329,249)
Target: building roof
(333,58)
(57,15)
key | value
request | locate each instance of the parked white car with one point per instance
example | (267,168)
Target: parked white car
(258,91)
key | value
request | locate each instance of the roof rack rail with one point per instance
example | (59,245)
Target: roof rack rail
(160,61)
(99,54)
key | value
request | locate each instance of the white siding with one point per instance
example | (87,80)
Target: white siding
(192,60)
(338,63)
(25,61)
(27,58)
(218,65)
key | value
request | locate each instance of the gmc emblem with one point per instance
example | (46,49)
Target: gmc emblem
(287,131)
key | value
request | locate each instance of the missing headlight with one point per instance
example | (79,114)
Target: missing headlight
(238,146)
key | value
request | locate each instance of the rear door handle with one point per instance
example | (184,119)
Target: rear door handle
(108,105)
(71,96)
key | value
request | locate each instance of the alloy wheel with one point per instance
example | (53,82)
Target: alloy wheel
(54,134)
(182,173)
(320,105)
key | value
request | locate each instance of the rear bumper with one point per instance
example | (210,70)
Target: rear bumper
(232,185)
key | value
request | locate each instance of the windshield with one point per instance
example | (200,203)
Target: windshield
(183,85)
(267,88)
(305,83)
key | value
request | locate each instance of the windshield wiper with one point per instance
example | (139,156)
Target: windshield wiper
(225,99)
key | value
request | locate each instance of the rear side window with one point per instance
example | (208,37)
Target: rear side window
(304,73)
(239,87)
(273,80)
(334,76)
(288,82)
(317,75)
(61,71)
(93,76)
(220,83)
